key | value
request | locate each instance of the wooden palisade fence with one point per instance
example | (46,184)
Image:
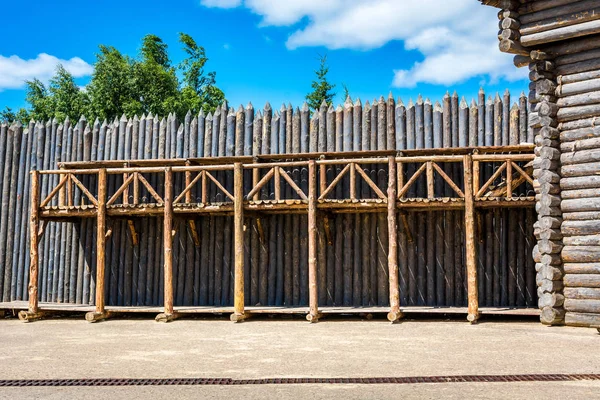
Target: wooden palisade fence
(352,252)
(560,42)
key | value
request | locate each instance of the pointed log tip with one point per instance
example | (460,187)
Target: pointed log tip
(481,91)
(240,109)
(348,102)
(209,116)
(283,108)
(390,96)
(427,101)
(339,108)
(437,107)
(447,95)
(358,103)
(515,106)
(123,118)
(259,115)
(201,113)
(331,109)
(367,105)
(497,98)
(104,123)
(419,99)
(305,107)
(455,95)
(463,102)
(323,103)
(473,103)
(410,103)
(381,100)
(188,114)
(399,102)
(230,112)
(249,106)
(268,106)
(96,122)
(523,94)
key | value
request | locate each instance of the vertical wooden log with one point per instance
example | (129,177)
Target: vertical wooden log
(33,311)
(100,313)
(168,314)
(313,294)
(470,245)
(238,243)
(395,314)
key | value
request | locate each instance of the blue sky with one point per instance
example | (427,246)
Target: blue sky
(267,50)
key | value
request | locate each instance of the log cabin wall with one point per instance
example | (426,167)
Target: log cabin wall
(352,252)
(560,42)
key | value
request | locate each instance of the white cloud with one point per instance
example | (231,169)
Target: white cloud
(457,39)
(221,3)
(14,70)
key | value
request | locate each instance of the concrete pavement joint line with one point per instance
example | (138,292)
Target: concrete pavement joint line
(297,381)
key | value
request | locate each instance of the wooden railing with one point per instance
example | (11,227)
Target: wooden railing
(397,190)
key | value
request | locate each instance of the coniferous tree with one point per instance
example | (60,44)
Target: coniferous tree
(322,88)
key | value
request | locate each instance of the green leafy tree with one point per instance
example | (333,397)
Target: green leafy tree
(322,88)
(199,90)
(111,88)
(125,85)
(8,116)
(67,99)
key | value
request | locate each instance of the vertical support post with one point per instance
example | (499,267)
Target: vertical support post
(470,245)
(430,186)
(238,242)
(136,188)
(33,312)
(168,314)
(277,184)
(400,180)
(353,181)
(395,314)
(100,313)
(313,294)
(255,179)
(509,172)
(62,194)
(204,188)
(188,180)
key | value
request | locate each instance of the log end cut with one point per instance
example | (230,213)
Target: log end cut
(164,317)
(27,316)
(236,317)
(94,316)
(395,316)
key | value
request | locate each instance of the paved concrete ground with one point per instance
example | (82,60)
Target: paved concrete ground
(141,348)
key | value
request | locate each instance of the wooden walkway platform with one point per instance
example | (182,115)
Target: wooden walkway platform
(84,308)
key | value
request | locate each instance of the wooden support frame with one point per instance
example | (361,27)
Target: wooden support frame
(395,202)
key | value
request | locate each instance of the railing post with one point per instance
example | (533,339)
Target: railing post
(100,313)
(313,293)
(238,243)
(395,314)
(168,314)
(470,245)
(33,311)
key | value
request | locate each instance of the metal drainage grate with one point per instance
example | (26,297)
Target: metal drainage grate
(297,381)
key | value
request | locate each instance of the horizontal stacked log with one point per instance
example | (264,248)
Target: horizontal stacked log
(351,250)
(560,40)
(578,115)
